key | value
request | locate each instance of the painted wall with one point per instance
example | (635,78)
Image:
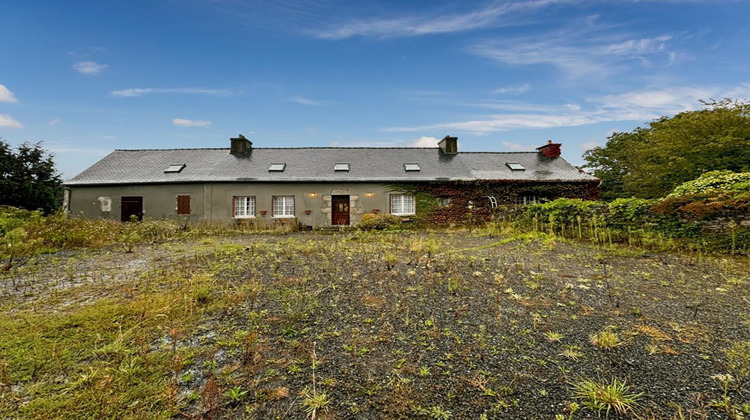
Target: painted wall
(214,201)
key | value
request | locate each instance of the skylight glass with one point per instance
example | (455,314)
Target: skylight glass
(411,167)
(342,166)
(515,166)
(277,167)
(175,168)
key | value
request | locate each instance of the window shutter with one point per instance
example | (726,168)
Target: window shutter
(183,204)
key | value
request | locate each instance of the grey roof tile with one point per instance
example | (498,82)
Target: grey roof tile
(316,165)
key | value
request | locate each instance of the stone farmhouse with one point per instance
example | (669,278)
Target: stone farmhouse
(320,186)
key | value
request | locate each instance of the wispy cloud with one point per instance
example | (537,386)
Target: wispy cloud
(182,122)
(583,51)
(512,90)
(305,101)
(133,92)
(495,14)
(8,122)
(641,105)
(89,67)
(55,121)
(6,95)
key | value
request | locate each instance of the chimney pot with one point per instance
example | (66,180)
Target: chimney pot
(550,150)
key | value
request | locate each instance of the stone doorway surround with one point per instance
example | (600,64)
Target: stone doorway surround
(355,209)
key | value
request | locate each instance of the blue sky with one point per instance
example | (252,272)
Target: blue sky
(87,77)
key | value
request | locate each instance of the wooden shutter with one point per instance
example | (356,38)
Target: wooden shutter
(183,204)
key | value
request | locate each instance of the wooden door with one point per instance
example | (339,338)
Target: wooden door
(131,206)
(340,214)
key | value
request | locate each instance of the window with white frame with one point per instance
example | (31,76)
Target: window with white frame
(402,204)
(283,206)
(244,207)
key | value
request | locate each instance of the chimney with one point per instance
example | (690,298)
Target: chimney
(550,150)
(240,145)
(449,145)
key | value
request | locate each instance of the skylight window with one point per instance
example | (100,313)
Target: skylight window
(277,167)
(515,166)
(341,167)
(175,168)
(411,167)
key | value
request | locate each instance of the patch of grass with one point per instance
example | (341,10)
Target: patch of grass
(606,340)
(613,396)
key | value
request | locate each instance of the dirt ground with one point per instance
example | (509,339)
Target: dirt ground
(405,325)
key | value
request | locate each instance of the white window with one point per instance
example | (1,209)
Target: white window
(528,199)
(244,207)
(283,206)
(402,204)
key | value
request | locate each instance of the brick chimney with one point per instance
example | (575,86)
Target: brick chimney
(240,145)
(449,145)
(550,150)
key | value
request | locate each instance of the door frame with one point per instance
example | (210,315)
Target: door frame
(334,213)
(137,200)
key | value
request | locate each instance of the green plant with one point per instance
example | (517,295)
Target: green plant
(738,362)
(613,396)
(606,340)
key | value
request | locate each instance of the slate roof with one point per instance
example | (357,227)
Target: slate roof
(315,164)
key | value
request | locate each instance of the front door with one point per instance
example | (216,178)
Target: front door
(340,214)
(131,206)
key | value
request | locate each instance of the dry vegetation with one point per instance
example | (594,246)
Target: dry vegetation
(374,325)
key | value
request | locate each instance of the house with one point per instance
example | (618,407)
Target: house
(319,186)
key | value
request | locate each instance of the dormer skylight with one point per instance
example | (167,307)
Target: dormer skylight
(341,167)
(514,166)
(277,167)
(175,168)
(411,167)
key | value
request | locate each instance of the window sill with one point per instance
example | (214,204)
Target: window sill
(244,217)
(282,217)
(403,214)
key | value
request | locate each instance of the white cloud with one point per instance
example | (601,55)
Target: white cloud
(6,95)
(513,90)
(305,101)
(641,105)
(584,51)
(427,24)
(181,122)
(516,147)
(55,121)
(7,121)
(425,141)
(132,92)
(89,67)
(588,145)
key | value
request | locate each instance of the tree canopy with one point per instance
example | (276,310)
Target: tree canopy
(650,162)
(28,178)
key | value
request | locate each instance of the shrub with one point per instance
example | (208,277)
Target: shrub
(378,222)
(714,181)
(629,212)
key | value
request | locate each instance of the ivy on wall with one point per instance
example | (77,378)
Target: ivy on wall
(469,201)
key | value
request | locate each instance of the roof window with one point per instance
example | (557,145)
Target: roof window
(341,167)
(514,166)
(277,167)
(175,168)
(411,167)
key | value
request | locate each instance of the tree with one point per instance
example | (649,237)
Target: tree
(28,178)
(649,162)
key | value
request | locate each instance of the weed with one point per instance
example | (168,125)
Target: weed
(613,396)
(606,340)
(553,336)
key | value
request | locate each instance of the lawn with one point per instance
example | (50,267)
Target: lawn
(375,325)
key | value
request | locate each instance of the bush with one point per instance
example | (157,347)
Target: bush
(372,221)
(714,182)
(629,212)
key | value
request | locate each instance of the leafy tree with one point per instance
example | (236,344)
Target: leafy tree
(28,178)
(649,162)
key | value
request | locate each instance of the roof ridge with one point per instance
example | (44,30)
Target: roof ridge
(320,148)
